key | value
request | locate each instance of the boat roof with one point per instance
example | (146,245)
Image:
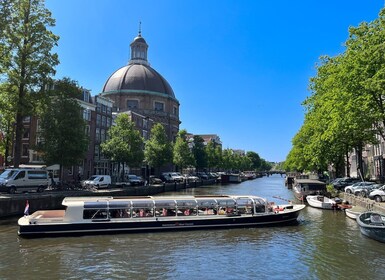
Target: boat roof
(80,200)
(310,181)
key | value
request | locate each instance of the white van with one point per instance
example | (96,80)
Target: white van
(98,181)
(23,179)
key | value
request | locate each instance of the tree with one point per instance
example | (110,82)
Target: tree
(125,144)
(199,152)
(158,149)
(214,155)
(182,156)
(26,61)
(62,133)
(255,159)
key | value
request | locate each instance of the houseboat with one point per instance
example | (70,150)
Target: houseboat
(98,215)
(305,187)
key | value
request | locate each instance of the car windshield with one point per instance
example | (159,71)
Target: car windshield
(92,178)
(7,174)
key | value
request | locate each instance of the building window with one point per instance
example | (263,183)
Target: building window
(27,119)
(98,107)
(98,120)
(88,131)
(25,150)
(108,122)
(158,106)
(104,121)
(104,108)
(145,123)
(97,134)
(26,133)
(175,111)
(132,104)
(102,135)
(87,114)
(96,152)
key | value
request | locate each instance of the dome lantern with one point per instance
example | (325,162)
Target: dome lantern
(139,49)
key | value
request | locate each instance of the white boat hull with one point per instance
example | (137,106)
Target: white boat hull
(322,202)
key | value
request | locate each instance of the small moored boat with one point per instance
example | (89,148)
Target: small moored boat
(354,212)
(372,225)
(320,201)
(97,215)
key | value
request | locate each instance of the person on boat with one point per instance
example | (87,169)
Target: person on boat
(187,212)
(141,213)
(222,211)
(164,212)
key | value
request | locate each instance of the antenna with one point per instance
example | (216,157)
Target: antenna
(140,28)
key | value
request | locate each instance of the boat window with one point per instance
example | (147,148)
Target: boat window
(260,205)
(142,209)
(95,214)
(225,206)
(186,207)
(207,207)
(120,213)
(142,212)
(165,208)
(245,205)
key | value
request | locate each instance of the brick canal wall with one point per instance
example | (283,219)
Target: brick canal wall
(14,205)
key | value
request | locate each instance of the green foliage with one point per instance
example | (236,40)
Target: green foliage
(62,126)
(346,109)
(182,156)
(26,61)
(255,160)
(214,155)
(125,145)
(199,153)
(158,149)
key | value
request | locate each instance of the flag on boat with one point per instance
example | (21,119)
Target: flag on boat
(26,209)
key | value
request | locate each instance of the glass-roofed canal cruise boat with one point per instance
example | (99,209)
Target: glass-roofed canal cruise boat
(97,215)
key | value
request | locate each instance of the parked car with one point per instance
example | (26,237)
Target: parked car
(98,181)
(368,189)
(135,180)
(341,183)
(378,195)
(356,186)
(172,177)
(155,180)
(190,178)
(202,175)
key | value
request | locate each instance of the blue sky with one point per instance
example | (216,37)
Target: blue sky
(240,69)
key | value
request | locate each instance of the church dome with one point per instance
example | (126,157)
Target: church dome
(138,75)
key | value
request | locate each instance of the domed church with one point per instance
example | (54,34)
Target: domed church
(140,90)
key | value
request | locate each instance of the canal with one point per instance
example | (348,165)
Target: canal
(324,245)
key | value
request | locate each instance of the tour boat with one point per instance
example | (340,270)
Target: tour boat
(97,215)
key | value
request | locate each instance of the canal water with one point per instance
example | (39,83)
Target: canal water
(324,245)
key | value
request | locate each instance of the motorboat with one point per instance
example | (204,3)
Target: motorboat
(372,225)
(98,215)
(322,202)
